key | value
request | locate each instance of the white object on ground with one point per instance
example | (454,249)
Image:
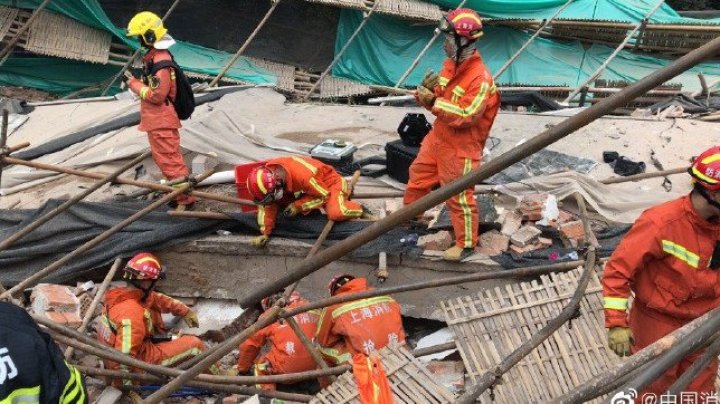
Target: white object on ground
(438,337)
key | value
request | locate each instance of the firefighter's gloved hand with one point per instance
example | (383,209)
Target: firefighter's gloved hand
(233,371)
(191,319)
(291,211)
(430,80)
(127,76)
(619,340)
(260,241)
(425,97)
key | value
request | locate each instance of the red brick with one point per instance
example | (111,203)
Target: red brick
(532,215)
(512,222)
(573,233)
(231,399)
(439,241)
(526,235)
(68,319)
(54,297)
(523,250)
(566,217)
(493,243)
(545,242)
(532,202)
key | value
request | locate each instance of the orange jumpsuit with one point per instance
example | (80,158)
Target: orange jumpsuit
(310,184)
(286,354)
(465,108)
(664,260)
(128,323)
(159,119)
(361,326)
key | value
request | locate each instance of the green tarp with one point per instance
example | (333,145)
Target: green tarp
(607,10)
(386,47)
(62,75)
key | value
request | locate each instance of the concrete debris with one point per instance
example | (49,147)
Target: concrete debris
(573,233)
(214,315)
(511,223)
(493,243)
(439,241)
(528,248)
(486,207)
(545,242)
(110,395)
(56,302)
(525,236)
(392,205)
(450,374)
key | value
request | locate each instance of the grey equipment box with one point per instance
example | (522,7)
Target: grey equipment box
(337,153)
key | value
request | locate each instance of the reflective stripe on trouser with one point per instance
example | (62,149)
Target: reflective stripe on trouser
(25,395)
(263,368)
(165,148)
(338,207)
(74,391)
(647,327)
(433,167)
(172,353)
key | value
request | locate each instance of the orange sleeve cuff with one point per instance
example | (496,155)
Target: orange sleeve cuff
(615,318)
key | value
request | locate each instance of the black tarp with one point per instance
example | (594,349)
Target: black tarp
(84,221)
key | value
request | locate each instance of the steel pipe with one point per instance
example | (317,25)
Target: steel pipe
(127,181)
(486,170)
(69,203)
(33,279)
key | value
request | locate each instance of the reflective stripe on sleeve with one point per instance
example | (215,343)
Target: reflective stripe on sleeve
(615,303)
(23,396)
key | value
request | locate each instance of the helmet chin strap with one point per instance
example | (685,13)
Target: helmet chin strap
(146,291)
(703,192)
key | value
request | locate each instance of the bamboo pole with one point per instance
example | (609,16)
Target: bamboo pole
(342,50)
(5,52)
(127,181)
(32,280)
(527,43)
(3,137)
(538,142)
(223,388)
(614,54)
(710,354)
(245,44)
(96,300)
(69,203)
(492,376)
(136,54)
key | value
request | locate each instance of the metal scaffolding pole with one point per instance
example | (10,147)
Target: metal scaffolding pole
(244,46)
(614,54)
(136,54)
(5,52)
(342,51)
(529,41)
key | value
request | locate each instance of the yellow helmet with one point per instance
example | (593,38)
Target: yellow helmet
(147,25)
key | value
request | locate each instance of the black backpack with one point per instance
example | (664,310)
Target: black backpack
(413,128)
(184,101)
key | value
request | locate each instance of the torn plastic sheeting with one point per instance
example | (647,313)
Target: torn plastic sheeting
(544,162)
(118,123)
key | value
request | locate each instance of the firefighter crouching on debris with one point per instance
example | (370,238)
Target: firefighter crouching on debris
(670,260)
(32,368)
(132,321)
(286,353)
(464,100)
(298,185)
(361,326)
(157,114)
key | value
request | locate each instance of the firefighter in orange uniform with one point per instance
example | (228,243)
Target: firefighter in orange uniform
(286,354)
(465,101)
(132,318)
(670,260)
(299,185)
(157,113)
(361,326)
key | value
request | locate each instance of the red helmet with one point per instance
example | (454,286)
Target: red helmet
(269,301)
(263,186)
(705,170)
(337,282)
(143,266)
(462,22)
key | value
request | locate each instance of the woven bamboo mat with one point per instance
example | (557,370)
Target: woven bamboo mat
(55,35)
(493,323)
(410,382)
(339,87)
(7,16)
(407,9)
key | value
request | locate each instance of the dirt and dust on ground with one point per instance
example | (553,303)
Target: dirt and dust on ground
(26,94)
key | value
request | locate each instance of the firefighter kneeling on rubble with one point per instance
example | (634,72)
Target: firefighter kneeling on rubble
(298,185)
(360,326)
(32,368)
(286,353)
(132,321)
(670,259)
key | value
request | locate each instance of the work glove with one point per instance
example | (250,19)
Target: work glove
(425,97)
(430,80)
(291,211)
(233,371)
(260,241)
(620,339)
(191,319)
